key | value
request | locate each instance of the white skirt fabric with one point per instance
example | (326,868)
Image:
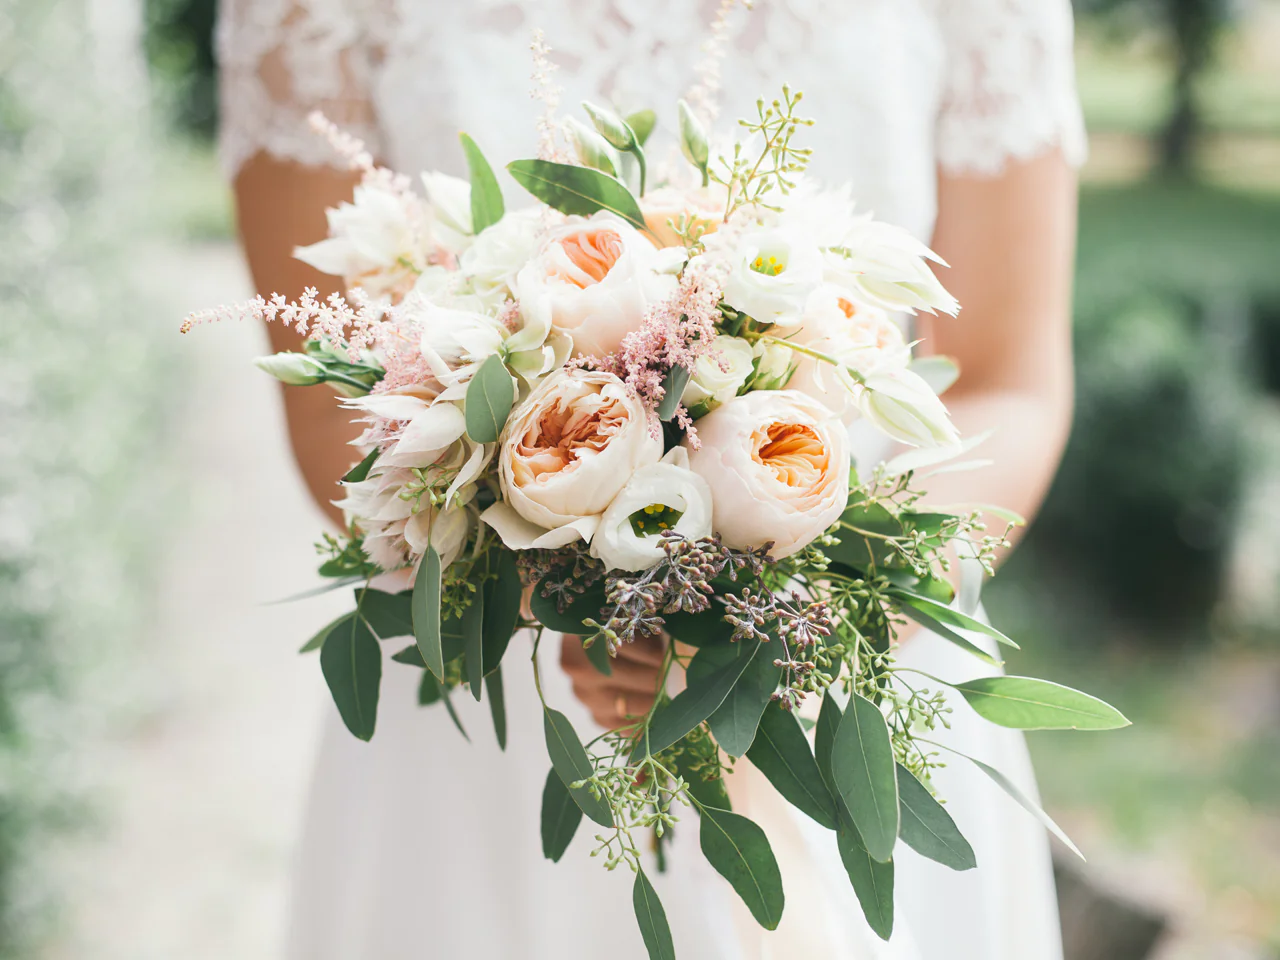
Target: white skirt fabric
(421,845)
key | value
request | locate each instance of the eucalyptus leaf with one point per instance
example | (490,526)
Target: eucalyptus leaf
(361,470)
(735,721)
(701,698)
(448,705)
(388,614)
(949,615)
(425,607)
(824,740)
(560,817)
(927,828)
(739,851)
(571,762)
(429,689)
(497,706)
(501,609)
(598,654)
(942,630)
(673,385)
(781,752)
(1025,703)
(862,764)
(872,880)
(576,190)
(584,606)
(473,643)
(1009,787)
(699,629)
(352,664)
(652,919)
(490,395)
(316,642)
(487,206)
(410,655)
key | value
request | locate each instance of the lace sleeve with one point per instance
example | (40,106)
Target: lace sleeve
(281,59)
(1009,88)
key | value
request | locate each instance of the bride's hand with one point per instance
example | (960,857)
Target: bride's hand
(627,694)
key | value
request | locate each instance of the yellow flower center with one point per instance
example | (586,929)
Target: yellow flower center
(654,519)
(769,265)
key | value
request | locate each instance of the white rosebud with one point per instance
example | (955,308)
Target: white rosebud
(718,374)
(293,369)
(774,365)
(901,404)
(451,203)
(777,463)
(592,149)
(662,496)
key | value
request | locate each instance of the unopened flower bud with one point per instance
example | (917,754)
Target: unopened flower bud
(294,369)
(693,138)
(592,149)
(611,126)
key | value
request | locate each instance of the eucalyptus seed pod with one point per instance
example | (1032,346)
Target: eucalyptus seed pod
(592,149)
(611,126)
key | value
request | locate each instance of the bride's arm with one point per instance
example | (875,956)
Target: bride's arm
(281,205)
(1010,241)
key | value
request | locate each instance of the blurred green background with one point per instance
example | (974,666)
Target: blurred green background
(1151,577)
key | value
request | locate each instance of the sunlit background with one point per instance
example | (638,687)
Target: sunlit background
(154,745)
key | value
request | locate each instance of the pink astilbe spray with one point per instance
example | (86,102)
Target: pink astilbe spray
(548,91)
(674,333)
(354,320)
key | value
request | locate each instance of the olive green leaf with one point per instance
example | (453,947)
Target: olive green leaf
(352,664)
(576,190)
(740,852)
(572,764)
(781,752)
(652,919)
(862,764)
(1025,703)
(490,395)
(425,606)
(927,828)
(487,206)
(872,880)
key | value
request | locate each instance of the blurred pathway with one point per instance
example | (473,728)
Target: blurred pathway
(205,780)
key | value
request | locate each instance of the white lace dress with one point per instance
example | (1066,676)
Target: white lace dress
(420,845)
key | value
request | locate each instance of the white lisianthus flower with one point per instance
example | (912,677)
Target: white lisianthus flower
(594,280)
(854,334)
(665,496)
(370,243)
(901,404)
(496,256)
(884,265)
(771,276)
(718,374)
(450,198)
(566,452)
(777,463)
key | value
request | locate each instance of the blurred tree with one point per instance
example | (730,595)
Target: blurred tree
(179,45)
(1192,28)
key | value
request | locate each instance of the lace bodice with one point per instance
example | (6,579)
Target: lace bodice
(898,86)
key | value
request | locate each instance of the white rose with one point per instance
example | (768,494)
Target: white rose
(777,463)
(565,454)
(771,276)
(719,373)
(594,280)
(856,335)
(369,244)
(886,266)
(662,496)
(902,404)
(497,255)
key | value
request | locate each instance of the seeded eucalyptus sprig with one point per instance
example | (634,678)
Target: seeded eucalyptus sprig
(750,181)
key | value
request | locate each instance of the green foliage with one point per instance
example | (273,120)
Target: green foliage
(560,817)
(426,612)
(487,206)
(927,828)
(576,190)
(1026,703)
(781,752)
(739,851)
(706,691)
(572,764)
(352,663)
(490,395)
(862,765)
(652,919)
(872,880)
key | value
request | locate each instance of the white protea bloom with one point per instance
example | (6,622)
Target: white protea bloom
(662,496)
(884,265)
(901,404)
(450,197)
(371,242)
(398,527)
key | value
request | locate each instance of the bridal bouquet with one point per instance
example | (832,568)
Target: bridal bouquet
(632,400)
